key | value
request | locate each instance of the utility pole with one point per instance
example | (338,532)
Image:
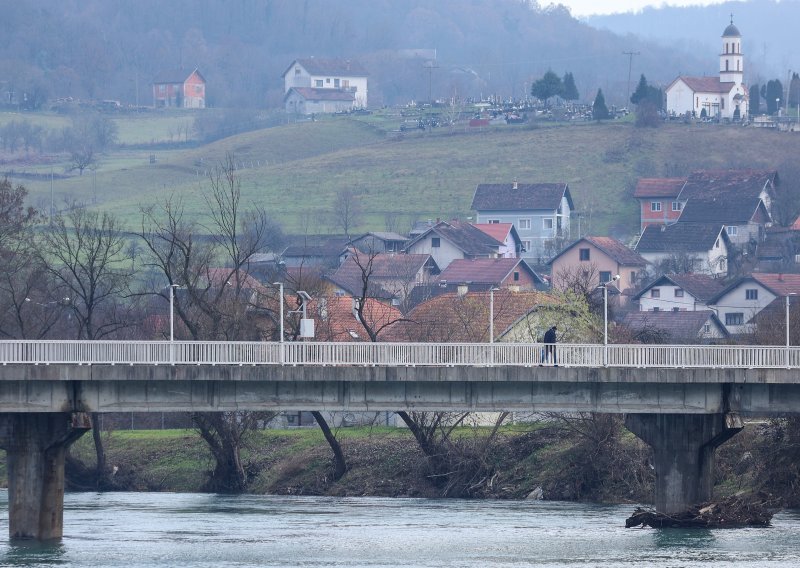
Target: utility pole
(630,55)
(431,65)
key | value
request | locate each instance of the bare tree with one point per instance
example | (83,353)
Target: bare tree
(215,303)
(347,211)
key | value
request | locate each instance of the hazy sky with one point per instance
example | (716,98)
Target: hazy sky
(589,7)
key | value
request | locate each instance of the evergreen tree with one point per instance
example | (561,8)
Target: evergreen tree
(570,91)
(647,93)
(774,95)
(548,86)
(794,91)
(755,100)
(641,92)
(599,108)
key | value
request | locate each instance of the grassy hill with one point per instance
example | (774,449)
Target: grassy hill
(295,170)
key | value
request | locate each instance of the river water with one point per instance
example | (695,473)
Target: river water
(171,529)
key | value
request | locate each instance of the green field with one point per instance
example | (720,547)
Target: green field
(294,170)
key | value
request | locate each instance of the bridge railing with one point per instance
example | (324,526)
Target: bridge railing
(392,354)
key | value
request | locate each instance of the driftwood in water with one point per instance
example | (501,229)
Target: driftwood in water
(736,511)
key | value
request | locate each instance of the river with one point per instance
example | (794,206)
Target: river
(172,529)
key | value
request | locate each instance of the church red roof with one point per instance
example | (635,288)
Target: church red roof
(705,84)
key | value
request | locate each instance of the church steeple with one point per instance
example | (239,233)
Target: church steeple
(731,60)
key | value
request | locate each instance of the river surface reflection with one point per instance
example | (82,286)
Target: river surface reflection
(170,529)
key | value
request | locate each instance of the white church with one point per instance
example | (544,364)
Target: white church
(721,97)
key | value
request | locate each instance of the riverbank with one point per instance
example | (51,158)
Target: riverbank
(591,459)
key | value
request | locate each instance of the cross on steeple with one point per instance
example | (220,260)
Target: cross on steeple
(731,18)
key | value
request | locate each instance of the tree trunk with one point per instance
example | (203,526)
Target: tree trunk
(220,431)
(100,451)
(339,462)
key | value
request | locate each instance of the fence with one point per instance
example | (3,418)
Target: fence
(392,354)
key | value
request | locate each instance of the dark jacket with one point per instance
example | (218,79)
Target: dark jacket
(550,336)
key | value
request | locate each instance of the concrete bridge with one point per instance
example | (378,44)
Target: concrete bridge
(682,400)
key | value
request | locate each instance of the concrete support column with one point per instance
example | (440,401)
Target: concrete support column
(683,447)
(36,446)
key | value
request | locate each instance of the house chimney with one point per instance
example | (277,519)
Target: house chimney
(462,290)
(515,185)
(663,228)
(355,308)
(348,65)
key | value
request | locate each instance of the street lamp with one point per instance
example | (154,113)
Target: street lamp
(604,286)
(491,313)
(172,311)
(280,291)
(787,327)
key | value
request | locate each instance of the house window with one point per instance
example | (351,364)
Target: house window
(677,205)
(797,258)
(336,83)
(296,70)
(584,254)
(547,223)
(435,242)
(526,246)
(751,294)
(707,328)
(328,80)
(605,277)
(655,206)
(345,83)
(633,276)
(722,101)
(524,223)
(732,230)
(162,88)
(716,245)
(655,293)
(735,318)
(676,309)
(656,309)
(318,83)
(516,276)
(493,221)
(679,292)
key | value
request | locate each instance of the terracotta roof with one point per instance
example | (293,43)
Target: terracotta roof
(498,231)
(705,84)
(312,94)
(702,286)
(659,187)
(613,248)
(175,76)
(335,320)
(680,237)
(465,318)
(727,183)
(485,270)
(779,284)
(722,209)
(673,325)
(464,236)
(323,66)
(383,269)
(525,197)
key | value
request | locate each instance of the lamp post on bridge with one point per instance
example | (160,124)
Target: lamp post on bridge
(491,313)
(172,288)
(787,327)
(604,286)
(280,300)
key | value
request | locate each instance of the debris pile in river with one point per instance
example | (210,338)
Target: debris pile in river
(754,510)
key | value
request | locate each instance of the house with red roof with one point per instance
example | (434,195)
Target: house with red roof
(506,234)
(658,200)
(447,241)
(181,88)
(487,273)
(323,85)
(723,96)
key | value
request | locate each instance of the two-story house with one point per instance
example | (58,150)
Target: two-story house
(738,304)
(597,260)
(658,200)
(180,88)
(678,293)
(324,85)
(693,327)
(745,219)
(686,247)
(540,212)
(447,241)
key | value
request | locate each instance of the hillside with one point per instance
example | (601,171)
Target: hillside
(427,175)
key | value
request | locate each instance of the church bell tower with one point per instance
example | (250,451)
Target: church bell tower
(731,61)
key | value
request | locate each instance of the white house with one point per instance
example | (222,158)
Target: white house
(686,247)
(725,96)
(678,293)
(738,304)
(342,75)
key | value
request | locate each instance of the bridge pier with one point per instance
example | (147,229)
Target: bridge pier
(683,447)
(36,446)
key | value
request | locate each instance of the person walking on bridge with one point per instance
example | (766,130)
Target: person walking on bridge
(550,346)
